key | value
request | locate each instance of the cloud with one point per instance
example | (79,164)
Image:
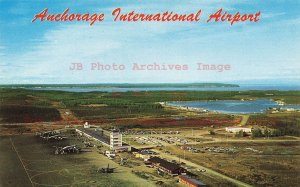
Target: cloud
(251,49)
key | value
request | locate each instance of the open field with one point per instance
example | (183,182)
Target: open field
(28,114)
(258,161)
(104,107)
(263,163)
(197,139)
(33,161)
(22,155)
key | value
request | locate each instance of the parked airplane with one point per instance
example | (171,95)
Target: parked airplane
(52,135)
(56,137)
(106,170)
(67,149)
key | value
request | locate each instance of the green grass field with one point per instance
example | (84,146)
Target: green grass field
(33,105)
(33,162)
(276,165)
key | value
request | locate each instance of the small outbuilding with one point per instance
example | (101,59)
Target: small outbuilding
(166,167)
(189,181)
(238,129)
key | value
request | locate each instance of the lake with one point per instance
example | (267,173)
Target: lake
(234,106)
(127,89)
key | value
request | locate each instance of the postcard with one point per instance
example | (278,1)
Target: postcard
(149,93)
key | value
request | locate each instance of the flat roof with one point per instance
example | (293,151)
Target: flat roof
(195,181)
(239,127)
(164,163)
(96,134)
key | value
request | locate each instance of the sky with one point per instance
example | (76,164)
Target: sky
(42,52)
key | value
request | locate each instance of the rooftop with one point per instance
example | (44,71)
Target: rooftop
(165,164)
(192,180)
(96,134)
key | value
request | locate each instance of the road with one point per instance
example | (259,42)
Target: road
(209,172)
(244,120)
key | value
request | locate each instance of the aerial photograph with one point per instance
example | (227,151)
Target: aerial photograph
(149,93)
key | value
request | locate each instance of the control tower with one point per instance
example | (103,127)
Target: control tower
(115,139)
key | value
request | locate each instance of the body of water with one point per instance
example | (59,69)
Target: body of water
(126,89)
(234,106)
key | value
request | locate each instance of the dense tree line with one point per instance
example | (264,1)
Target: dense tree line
(282,129)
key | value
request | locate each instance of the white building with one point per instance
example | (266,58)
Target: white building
(86,125)
(115,139)
(238,129)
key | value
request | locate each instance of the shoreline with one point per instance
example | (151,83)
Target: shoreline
(281,106)
(186,108)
